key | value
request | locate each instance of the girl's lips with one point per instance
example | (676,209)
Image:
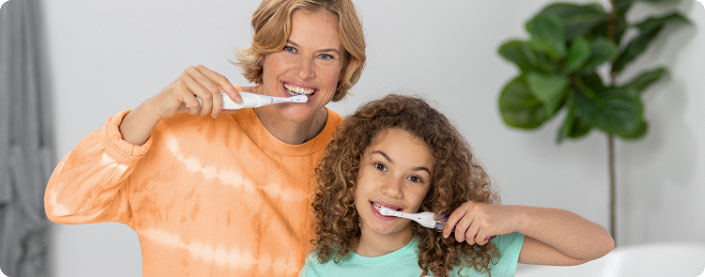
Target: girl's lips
(376,213)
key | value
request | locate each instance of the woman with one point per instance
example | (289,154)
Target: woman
(222,195)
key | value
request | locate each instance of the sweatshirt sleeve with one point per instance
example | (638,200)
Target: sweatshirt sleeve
(90,184)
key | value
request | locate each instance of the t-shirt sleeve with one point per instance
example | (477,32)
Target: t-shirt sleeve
(509,247)
(88,184)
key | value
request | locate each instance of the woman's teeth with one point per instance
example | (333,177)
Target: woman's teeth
(295,90)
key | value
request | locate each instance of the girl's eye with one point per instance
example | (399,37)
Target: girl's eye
(380,167)
(289,49)
(415,179)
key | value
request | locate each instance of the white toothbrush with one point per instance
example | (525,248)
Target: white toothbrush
(425,219)
(253,100)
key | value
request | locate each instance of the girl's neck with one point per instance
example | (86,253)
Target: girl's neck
(372,244)
(291,132)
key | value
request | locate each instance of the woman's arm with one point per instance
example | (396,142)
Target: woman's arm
(179,96)
(88,185)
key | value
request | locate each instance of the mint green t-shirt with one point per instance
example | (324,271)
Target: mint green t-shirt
(404,262)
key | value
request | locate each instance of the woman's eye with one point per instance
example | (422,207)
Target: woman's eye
(326,56)
(289,49)
(380,167)
(415,179)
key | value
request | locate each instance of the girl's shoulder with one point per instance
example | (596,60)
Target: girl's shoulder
(403,262)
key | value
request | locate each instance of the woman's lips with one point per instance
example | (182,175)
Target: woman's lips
(295,89)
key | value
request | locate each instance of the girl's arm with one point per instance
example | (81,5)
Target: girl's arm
(553,236)
(560,237)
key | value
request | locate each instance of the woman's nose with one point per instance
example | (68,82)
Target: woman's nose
(306,69)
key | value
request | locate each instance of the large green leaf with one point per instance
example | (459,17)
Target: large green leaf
(578,54)
(657,1)
(577,19)
(547,35)
(549,89)
(593,81)
(518,107)
(573,125)
(638,133)
(519,53)
(601,51)
(648,30)
(623,5)
(656,22)
(645,79)
(617,111)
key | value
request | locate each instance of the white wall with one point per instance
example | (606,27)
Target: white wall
(106,56)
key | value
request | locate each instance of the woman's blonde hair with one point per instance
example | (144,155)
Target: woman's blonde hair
(272,25)
(455,179)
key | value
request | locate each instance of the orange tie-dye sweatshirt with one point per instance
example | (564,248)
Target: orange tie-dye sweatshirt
(207,197)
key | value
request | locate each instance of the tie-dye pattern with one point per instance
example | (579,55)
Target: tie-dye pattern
(207,197)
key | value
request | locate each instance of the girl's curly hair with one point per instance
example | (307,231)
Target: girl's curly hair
(456,179)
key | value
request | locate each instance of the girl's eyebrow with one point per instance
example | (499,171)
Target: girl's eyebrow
(383,154)
(392,162)
(321,50)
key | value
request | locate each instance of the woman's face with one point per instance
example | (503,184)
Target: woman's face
(310,64)
(395,172)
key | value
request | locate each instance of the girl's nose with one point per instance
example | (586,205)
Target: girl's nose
(392,189)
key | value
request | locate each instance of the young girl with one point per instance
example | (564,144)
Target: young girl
(400,153)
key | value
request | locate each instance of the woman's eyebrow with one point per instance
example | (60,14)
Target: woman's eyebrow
(321,50)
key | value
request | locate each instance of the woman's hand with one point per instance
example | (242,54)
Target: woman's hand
(195,81)
(477,222)
(179,96)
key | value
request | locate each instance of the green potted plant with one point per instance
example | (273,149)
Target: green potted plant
(569,45)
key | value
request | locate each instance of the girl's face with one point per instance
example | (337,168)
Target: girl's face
(310,64)
(395,172)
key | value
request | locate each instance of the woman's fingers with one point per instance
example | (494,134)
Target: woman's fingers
(221,81)
(190,102)
(200,91)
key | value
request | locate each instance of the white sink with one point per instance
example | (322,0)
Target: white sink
(666,259)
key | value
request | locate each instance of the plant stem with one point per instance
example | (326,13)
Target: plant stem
(613,187)
(611,33)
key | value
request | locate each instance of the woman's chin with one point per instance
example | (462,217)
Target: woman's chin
(296,112)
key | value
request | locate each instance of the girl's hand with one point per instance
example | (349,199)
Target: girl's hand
(477,222)
(195,81)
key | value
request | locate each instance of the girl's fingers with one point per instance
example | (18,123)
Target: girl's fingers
(453,219)
(462,227)
(471,233)
(482,237)
(221,81)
